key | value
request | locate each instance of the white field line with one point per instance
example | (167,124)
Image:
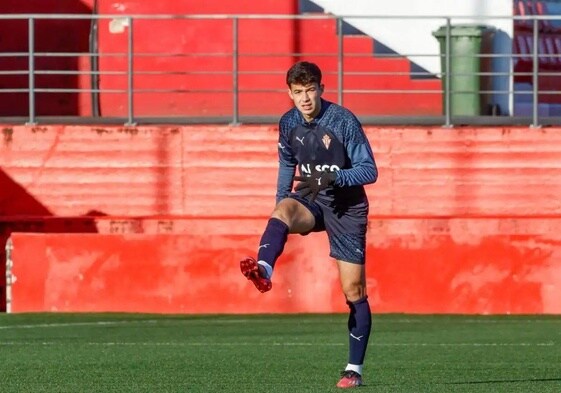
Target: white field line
(255,321)
(72,324)
(274,344)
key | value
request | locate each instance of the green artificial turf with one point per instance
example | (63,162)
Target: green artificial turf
(275,353)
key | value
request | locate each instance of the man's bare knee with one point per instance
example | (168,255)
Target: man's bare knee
(295,215)
(354,291)
(285,212)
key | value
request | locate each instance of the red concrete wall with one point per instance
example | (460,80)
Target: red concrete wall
(484,266)
(462,220)
(218,171)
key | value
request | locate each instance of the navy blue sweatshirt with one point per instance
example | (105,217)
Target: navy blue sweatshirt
(333,141)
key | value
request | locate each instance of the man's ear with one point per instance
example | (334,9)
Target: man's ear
(290,94)
(321,88)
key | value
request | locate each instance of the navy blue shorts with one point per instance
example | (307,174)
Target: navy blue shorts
(345,226)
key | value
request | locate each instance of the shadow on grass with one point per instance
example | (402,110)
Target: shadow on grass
(492,381)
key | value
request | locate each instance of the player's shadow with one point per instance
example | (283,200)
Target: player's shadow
(22,212)
(499,381)
(62,38)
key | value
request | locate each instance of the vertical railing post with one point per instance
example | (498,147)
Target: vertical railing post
(31,66)
(130,73)
(340,54)
(447,76)
(9,277)
(535,78)
(235,74)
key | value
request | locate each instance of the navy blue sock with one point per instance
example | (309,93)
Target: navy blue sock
(273,241)
(360,323)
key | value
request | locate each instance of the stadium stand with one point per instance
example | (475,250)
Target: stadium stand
(549,57)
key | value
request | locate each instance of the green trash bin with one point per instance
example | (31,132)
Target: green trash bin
(467,45)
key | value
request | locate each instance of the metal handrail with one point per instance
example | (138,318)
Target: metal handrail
(132,73)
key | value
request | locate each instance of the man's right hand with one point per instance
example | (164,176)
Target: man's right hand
(313,184)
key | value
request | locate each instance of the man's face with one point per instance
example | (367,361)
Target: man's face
(307,99)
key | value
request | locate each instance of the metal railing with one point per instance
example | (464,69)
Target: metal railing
(131,83)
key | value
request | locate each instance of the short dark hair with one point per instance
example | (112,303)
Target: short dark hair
(303,73)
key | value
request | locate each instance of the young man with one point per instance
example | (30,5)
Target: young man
(328,146)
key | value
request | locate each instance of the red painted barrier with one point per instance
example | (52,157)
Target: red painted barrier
(482,266)
(462,220)
(218,171)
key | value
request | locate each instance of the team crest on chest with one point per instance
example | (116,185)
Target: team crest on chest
(326,141)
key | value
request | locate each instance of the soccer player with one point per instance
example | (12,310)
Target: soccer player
(328,146)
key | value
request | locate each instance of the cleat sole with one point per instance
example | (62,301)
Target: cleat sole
(250,269)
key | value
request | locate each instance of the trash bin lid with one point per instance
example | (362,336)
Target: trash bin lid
(464,30)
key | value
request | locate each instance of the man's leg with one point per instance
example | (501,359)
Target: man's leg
(289,216)
(353,283)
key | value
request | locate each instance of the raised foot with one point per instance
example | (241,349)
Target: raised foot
(250,269)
